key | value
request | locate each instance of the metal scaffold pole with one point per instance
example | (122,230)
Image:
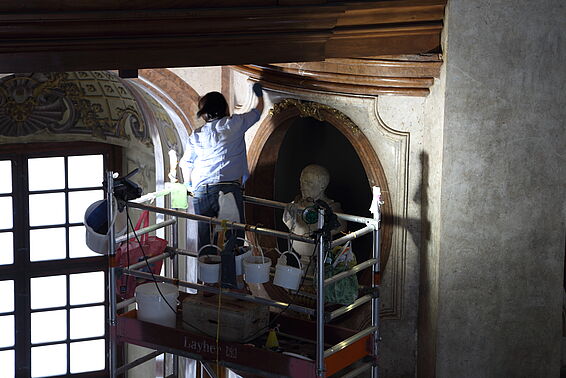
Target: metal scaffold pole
(320,368)
(175,244)
(112,353)
(375,302)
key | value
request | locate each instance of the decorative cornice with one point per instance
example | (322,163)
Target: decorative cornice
(313,109)
(391,75)
(41,36)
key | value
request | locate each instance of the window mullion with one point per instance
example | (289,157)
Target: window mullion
(68,315)
(21,261)
(67,207)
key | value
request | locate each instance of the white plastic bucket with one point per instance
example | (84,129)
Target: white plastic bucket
(209,266)
(287,276)
(94,215)
(256,268)
(240,262)
(240,258)
(154,308)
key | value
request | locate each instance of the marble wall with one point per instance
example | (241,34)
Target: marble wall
(502,206)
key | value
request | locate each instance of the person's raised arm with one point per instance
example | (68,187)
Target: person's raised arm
(186,164)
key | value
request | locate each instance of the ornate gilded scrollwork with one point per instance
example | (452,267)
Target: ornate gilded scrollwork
(313,109)
(92,103)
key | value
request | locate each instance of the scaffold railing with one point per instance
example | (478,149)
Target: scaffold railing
(323,356)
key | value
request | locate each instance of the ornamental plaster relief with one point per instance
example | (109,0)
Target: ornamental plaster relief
(94,105)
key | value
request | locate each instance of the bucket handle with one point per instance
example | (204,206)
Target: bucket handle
(256,246)
(250,244)
(209,245)
(294,255)
(245,240)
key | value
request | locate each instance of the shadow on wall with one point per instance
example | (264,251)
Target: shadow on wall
(426,343)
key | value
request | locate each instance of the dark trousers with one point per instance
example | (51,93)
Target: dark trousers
(205,202)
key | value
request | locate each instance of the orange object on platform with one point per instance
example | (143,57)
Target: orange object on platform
(348,355)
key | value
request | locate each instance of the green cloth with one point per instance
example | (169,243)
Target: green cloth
(344,291)
(179,196)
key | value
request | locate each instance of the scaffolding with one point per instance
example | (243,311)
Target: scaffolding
(346,347)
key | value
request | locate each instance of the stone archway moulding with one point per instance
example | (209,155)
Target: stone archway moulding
(263,152)
(164,89)
(174,91)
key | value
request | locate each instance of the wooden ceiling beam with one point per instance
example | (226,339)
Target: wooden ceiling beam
(400,11)
(90,38)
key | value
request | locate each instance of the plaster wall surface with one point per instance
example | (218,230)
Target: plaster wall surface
(201,79)
(503,190)
(430,160)
(394,127)
(399,348)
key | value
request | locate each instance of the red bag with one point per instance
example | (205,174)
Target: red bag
(133,252)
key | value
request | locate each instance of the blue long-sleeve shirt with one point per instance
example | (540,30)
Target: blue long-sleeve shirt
(217,151)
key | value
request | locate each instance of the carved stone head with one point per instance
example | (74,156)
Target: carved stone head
(314,180)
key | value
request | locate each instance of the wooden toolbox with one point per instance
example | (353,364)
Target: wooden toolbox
(235,320)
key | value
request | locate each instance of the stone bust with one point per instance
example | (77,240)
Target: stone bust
(314,180)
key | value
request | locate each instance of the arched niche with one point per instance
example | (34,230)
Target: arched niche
(264,153)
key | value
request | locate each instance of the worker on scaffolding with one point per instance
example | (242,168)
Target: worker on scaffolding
(215,159)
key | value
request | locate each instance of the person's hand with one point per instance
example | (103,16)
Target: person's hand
(172,177)
(258,89)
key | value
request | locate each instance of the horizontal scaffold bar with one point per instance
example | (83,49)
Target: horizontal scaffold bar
(229,224)
(215,290)
(353,235)
(358,371)
(145,230)
(137,362)
(125,303)
(282,205)
(349,341)
(343,310)
(355,269)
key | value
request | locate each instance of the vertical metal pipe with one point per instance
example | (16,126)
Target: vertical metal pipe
(167,270)
(112,355)
(175,244)
(375,300)
(320,368)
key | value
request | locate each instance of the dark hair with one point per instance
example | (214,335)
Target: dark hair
(212,106)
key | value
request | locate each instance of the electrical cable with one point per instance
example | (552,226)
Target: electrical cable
(127,253)
(269,326)
(224,229)
(153,276)
(272,321)
(218,330)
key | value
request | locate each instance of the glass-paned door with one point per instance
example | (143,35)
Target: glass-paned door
(53,318)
